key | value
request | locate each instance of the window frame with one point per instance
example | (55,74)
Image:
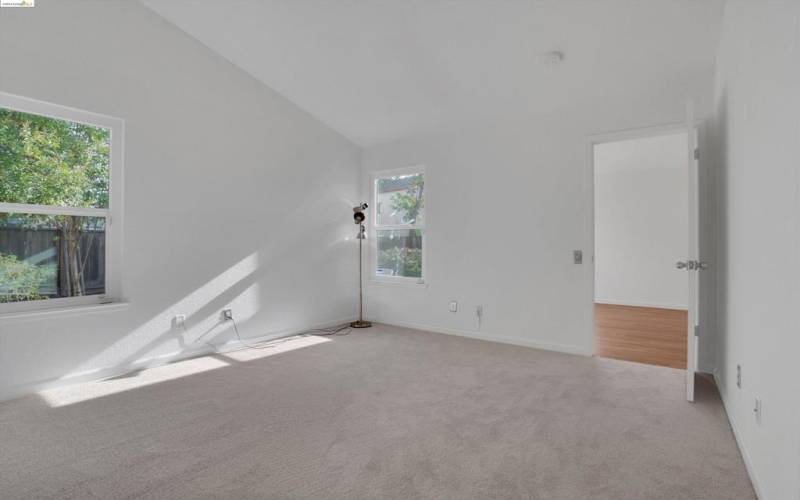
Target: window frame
(374,227)
(112,214)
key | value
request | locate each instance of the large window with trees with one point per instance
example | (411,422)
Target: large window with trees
(399,223)
(59,205)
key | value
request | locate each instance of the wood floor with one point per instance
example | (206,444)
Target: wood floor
(641,334)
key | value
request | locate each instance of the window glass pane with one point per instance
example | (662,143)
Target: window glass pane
(48,161)
(47,256)
(400,200)
(400,253)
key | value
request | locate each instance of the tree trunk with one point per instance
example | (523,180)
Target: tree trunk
(72,231)
(62,275)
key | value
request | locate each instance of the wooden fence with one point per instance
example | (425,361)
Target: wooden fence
(40,247)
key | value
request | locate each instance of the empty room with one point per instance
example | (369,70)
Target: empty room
(370,249)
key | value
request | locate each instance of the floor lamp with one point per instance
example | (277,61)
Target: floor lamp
(359,217)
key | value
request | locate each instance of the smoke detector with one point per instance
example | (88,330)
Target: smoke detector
(553,58)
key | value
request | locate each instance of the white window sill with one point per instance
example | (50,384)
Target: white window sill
(398,283)
(65,310)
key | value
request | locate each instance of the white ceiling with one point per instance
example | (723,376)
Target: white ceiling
(381,70)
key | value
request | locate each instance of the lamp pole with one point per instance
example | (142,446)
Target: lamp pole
(360,323)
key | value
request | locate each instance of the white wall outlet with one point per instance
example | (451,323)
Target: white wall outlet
(453,306)
(757,409)
(179,321)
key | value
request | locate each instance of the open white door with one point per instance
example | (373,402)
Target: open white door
(693,265)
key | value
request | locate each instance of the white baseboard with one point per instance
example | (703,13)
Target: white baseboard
(703,368)
(152,362)
(635,303)
(547,346)
(748,462)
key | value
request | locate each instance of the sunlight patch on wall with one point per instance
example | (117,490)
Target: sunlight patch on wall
(149,336)
(204,330)
(77,393)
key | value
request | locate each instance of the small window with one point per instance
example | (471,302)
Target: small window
(399,201)
(59,216)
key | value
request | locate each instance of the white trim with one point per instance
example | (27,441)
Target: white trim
(398,281)
(748,461)
(490,337)
(394,172)
(373,228)
(152,362)
(703,368)
(22,208)
(67,310)
(113,214)
(589,181)
(48,109)
(397,227)
(9,309)
(637,133)
(635,303)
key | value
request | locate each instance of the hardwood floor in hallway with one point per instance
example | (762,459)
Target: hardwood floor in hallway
(641,334)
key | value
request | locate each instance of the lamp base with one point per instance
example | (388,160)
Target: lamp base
(360,324)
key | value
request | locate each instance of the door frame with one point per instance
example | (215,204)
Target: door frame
(589,181)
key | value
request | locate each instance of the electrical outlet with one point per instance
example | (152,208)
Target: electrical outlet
(757,409)
(227,314)
(739,376)
(179,321)
(453,306)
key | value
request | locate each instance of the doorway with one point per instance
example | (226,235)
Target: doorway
(641,228)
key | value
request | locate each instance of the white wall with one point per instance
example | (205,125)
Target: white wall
(233,196)
(757,156)
(641,221)
(534,170)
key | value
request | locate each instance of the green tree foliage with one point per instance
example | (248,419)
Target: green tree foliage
(405,259)
(47,161)
(411,201)
(20,280)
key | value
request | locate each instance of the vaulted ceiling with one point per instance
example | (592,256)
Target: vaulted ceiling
(381,70)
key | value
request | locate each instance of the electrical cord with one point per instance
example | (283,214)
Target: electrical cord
(267,344)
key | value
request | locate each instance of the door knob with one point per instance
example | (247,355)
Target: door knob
(691,265)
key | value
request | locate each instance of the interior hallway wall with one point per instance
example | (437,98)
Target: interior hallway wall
(641,221)
(234,197)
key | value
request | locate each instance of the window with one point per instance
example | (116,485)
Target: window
(399,222)
(60,171)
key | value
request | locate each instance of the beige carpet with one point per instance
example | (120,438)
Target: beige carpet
(380,413)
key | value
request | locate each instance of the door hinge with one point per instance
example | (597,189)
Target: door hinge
(696,330)
(696,153)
